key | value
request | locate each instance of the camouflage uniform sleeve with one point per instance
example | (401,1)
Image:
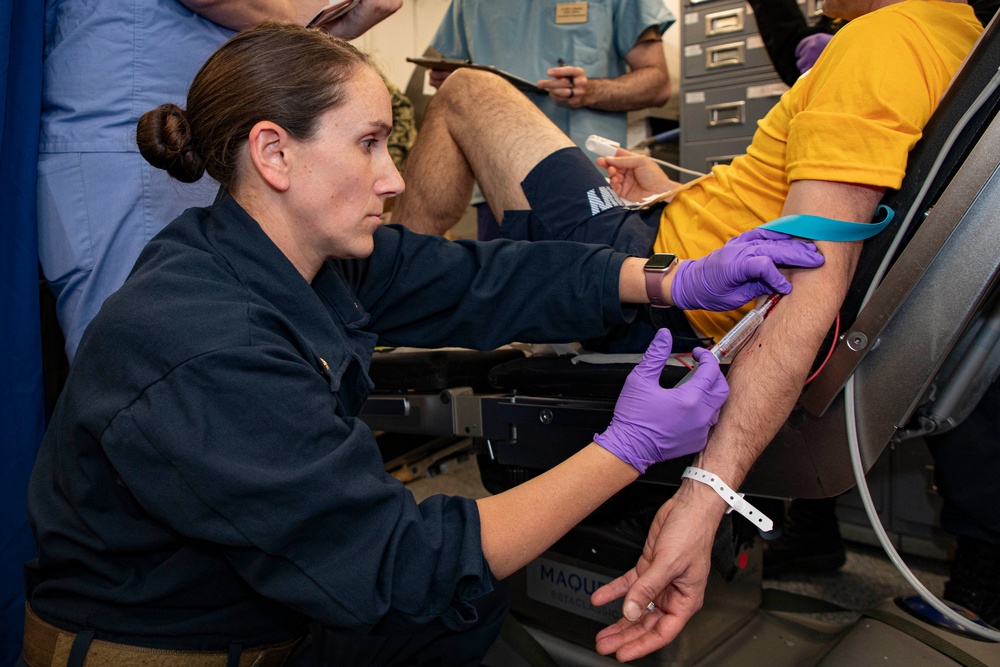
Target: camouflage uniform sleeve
(404,128)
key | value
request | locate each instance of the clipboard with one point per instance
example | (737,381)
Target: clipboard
(452,64)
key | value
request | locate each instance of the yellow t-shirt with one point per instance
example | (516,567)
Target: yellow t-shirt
(852,118)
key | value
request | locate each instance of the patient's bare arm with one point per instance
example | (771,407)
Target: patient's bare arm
(765,382)
(772,370)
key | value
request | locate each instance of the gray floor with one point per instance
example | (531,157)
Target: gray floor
(867,579)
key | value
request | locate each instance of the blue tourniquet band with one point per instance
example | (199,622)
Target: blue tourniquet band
(818,228)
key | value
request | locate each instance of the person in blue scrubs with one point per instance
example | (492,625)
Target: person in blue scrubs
(206,484)
(597,61)
(106,63)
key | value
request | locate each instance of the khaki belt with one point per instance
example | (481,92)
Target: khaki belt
(47,646)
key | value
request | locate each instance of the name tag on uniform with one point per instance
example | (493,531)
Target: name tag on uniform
(571,12)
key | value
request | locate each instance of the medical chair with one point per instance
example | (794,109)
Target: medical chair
(916,349)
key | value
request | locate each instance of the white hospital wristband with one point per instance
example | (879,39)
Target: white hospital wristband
(735,500)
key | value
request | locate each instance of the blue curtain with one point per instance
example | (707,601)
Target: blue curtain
(22,400)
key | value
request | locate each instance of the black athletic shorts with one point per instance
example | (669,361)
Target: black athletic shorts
(571,201)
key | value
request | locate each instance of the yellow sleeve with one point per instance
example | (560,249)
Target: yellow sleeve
(875,86)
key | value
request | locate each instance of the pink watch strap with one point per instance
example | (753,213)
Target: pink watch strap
(654,289)
(654,285)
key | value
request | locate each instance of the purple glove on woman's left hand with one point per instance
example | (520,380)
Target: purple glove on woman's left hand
(653,424)
(741,271)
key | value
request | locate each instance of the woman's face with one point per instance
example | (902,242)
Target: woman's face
(344,174)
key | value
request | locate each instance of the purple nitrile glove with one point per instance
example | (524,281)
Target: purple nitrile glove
(741,271)
(809,48)
(653,424)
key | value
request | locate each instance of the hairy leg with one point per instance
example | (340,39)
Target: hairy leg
(477,128)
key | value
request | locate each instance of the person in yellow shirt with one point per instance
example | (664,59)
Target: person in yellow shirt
(831,146)
(852,120)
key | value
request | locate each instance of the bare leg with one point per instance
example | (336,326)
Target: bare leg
(478,127)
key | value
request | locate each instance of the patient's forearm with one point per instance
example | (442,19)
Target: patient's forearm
(768,375)
(519,524)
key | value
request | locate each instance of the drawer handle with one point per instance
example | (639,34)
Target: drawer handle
(730,113)
(720,23)
(725,55)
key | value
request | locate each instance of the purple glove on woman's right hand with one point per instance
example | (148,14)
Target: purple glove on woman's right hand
(741,271)
(653,424)
(808,50)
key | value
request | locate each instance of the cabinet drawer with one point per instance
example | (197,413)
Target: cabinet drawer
(725,56)
(729,20)
(728,111)
(702,156)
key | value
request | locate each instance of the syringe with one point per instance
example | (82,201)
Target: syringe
(729,345)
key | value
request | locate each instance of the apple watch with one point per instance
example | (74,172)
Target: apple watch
(655,269)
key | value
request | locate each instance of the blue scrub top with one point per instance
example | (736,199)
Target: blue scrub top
(104,68)
(525,38)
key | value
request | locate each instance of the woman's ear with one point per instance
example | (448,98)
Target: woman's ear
(267,143)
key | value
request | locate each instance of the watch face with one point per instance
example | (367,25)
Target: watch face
(660,262)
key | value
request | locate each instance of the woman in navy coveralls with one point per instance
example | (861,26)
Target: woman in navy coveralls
(206,484)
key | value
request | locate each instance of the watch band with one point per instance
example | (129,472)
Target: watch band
(654,280)
(734,499)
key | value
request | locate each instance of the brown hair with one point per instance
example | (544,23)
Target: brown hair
(280,72)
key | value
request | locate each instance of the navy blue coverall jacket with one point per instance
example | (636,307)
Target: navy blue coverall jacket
(205,478)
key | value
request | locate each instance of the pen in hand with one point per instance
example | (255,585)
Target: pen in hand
(562,63)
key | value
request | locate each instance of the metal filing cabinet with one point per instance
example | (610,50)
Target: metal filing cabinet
(727,81)
(718,120)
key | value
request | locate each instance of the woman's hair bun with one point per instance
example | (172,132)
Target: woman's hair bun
(165,141)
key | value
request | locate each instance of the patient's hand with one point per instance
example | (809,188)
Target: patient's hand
(635,177)
(671,573)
